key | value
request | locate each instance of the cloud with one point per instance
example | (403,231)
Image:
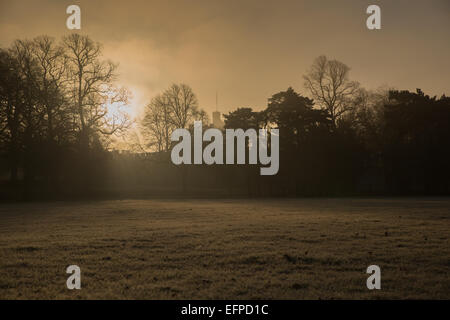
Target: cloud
(249,50)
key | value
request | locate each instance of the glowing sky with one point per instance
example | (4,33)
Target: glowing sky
(249,50)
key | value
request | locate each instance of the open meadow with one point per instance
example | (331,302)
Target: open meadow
(226,249)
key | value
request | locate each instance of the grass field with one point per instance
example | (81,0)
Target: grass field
(225,249)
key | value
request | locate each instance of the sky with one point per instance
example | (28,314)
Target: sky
(248,50)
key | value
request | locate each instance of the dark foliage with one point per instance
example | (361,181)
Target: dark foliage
(53,128)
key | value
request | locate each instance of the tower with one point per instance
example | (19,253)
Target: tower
(216,119)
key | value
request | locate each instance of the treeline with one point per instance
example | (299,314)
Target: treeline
(387,143)
(60,107)
(55,119)
(344,140)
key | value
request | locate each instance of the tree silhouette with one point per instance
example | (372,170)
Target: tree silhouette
(183,105)
(416,142)
(54,98)
(156,124)
(55,124)
(92,90)
(11,112)
(176,107)
(329,84)
(243,118)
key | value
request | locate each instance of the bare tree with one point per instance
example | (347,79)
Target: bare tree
(367,115)
(26,112)
(52,62)
(176,107)
(329,84)
(157,124)
(183,105)
(11,109)
(92,89)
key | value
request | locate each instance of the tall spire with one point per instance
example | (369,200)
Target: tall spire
(217,121)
